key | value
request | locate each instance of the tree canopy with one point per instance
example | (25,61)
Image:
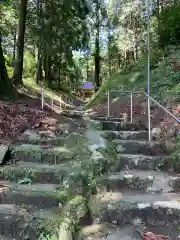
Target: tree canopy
(65,42)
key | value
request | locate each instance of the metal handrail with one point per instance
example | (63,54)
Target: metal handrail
(113,90)
(163,108)
(149,113)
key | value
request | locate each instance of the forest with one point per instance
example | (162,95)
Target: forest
(81,172)
(63,43)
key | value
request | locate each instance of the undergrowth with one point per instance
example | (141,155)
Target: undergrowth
(82,183)
(176,155)
(165,83)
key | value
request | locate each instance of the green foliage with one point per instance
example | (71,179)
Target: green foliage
(33,88)
(66,42)
(29,64)
(8,59)
(169,29)
(46,236)
(164,82)
(55,38)
(176,155)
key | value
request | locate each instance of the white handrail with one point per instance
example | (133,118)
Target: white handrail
(152,99)
(149,113)
(167,111)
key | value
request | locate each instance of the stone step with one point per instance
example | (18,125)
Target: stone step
(111,118)
(104,198)
(38,153)
(6,238)
(131,203)
(141,162)
(123,213)
(53,141)
(140,147)
(39,173)
(41,196)
(129,232)
(72,113)
(125,135)
(145,181)
(19,223)
(119,126)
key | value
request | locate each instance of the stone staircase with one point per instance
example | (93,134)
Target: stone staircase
(137,194)
(134,194)
(25,209)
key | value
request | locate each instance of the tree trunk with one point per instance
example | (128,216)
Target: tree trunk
(39,75)
(97,48)
(87,68)
(162,5)
(119,60)
(158,12)
(59,77)
(49,76)
(109,49)
(59,72)
(45,67)
(6,88)
(14,49)
(18,70)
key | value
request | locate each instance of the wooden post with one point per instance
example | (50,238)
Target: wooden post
(52,104)
(42,98)
(60,102)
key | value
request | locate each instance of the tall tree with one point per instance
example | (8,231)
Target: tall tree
(18,70)
(97,45)
(6,89)
(39,59)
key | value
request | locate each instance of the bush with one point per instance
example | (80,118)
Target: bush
(9,66)
(176,156)
(29,66)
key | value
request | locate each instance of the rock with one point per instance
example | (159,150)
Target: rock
(3,152)
(125,117)
(151,178)
(156,133)
(31,135)
(128,176)
(65,232)
(47,133)
(60,205)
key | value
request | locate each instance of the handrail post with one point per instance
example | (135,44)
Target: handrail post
(148,71)
(42,98)
(108,105)
(60,101)
(131,107)
(52,104)
(149,119)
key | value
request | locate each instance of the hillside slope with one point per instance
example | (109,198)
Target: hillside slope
(165,84)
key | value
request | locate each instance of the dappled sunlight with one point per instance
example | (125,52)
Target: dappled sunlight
(36,90)
(61,150)
(109,197)
(77,166)
(134,77)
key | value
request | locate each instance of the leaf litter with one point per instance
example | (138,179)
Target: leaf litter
(153,236)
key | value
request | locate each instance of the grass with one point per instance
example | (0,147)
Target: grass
(32,88)
(164,82)
(121,82)
(48,93)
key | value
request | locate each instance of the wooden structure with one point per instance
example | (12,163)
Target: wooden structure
(86,90)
